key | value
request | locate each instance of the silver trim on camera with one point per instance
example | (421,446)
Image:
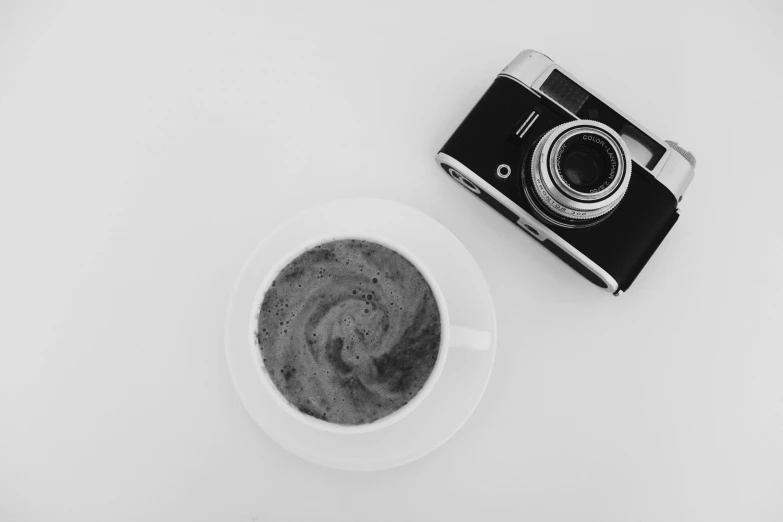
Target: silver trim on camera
(674,170)
(678,172)
(527,67)
(524,219)
(527,124)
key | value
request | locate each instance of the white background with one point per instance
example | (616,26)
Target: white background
(146,148)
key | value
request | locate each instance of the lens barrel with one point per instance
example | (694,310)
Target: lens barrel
(578,173)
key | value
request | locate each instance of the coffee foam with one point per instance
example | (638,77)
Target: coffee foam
(349,331)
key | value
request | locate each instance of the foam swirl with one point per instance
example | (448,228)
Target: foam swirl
(349,331)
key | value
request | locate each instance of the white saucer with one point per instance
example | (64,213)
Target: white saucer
(464,377)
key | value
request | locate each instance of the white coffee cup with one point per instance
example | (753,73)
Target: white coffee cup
(451,336)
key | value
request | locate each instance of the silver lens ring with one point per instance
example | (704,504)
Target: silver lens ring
(613,151)
(555,192)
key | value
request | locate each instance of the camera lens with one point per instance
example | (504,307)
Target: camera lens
(578,173)
(582,167)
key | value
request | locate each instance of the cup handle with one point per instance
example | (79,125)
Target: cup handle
(469,339)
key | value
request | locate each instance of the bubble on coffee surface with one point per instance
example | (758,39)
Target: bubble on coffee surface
(349,332)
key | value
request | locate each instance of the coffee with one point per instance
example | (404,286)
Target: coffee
(349,331)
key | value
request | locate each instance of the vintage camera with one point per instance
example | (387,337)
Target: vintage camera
(593,186)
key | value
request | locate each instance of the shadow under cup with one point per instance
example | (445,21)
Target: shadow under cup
(405,409)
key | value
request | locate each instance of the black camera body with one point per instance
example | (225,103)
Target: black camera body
(595,188)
